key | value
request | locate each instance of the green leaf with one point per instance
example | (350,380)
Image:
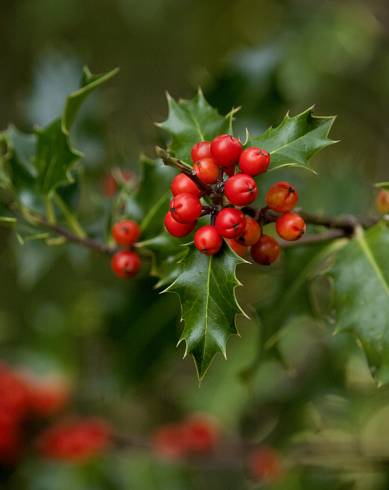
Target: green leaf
(54,157)
(167,252)
(73,103)
(382,185)
(206,288)
(361,288)
(150,202)
(296,139)
(190,121)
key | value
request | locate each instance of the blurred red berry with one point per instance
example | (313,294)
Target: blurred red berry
(47,395)
(266,250)
(200,434)
(282,197)
(75,440)
(226,150)
(254,161)
(125,264)
(13,394)
(241,189)
(265,464)
(230,222)
(207,240)
(206,170)
(114,179)
(183,184)
(11,443)
(126,232)
(185,208)
(202,149)
(169,441)
(382,201)
(290,226)
(237,247)
(251,234)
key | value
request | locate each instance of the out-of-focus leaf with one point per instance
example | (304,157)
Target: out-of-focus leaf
(190,121)
(150,202)
(361,295)
(167,253)
(296,139)
(73,103)
(206,287)
(382,185)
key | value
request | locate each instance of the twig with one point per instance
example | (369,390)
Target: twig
(312,238)
(179,165)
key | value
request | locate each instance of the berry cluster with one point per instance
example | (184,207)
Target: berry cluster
(198,434)
(216,187)
(126,263)
(23,396)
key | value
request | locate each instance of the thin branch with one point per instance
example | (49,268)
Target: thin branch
(179,165)
(312,239)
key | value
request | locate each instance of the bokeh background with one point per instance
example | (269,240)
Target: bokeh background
(60,307)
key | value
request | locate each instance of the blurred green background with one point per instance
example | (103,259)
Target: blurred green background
(61,308)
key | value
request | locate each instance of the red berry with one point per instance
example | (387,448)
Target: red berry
(241,189)
(117,177)
(208,240)
(254,161)
(251,233)
(200,433)
(266,250)
(200,150)
(265,464)
(10,443)
(290,226)
(126,232)
(126,263)
(226,150)
(382,201)
(185,208)
(206,170)
(282,197)
(230,222)
(237,247)
(230,171)
(169,442)
(184,184)
(75,440)
(13,394)
(177,229)
(47,395)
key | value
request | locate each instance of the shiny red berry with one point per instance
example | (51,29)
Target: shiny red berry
(126,263)
(251,233)
(230,222)
(177,229)
(184,184)
(382,201)
(241,189)
(290,226)
(126,232)
(254,161)
(185,208)
(226,150)
(282,197)
(266,250)
(265,464)
(208,240)
(206,170)
(200,150)
(238,248)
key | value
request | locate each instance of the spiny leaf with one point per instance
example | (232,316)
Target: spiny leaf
(167,252)
(361,289)
(296,139)
(73,103)
(190,121)
(150,202)
(206,287)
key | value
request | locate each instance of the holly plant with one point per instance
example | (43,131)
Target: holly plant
(201,209)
